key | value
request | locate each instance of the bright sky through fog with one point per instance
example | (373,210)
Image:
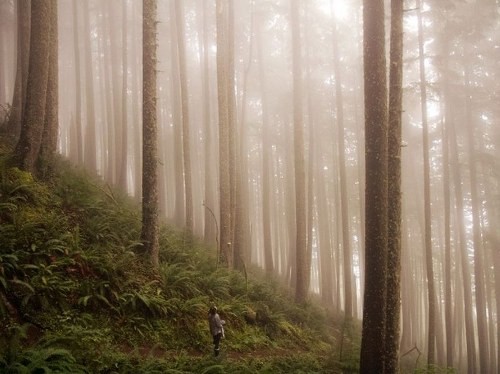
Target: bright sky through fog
(339,6)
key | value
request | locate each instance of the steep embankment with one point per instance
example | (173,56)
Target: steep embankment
(78,295)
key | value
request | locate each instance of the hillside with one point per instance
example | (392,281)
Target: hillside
(77,295)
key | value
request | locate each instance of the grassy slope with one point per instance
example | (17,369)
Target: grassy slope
(76,293)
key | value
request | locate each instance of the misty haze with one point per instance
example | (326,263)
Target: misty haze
(344,150)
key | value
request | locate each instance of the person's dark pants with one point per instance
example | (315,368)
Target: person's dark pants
(217,339)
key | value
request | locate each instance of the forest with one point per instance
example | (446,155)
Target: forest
(341,153)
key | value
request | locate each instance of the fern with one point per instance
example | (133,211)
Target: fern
(50,360)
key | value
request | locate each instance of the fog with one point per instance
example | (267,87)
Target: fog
(320,91)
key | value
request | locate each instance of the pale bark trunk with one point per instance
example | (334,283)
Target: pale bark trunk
(431,293)
(90,147)
(186,148)
(298,154)
(223,105)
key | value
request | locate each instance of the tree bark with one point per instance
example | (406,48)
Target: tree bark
(48,147)
(225,250)
(186,148)
(90,147)
(23,47)
(298,153)
(431,293)
(28,147)
(149,234)
(392,329)
(373,333)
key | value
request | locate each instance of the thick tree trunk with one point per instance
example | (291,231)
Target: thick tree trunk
(28,147)
(23,47)
(48,147)
(373,334)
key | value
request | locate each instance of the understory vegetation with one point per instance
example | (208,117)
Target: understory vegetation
(77,295)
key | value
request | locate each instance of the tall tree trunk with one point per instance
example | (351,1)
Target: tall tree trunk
(23,47)
(464,258)
(431,293)
(325,257)
(28,147)
(180,205)
(210,233)
(186,149)
(302,272)
(392,329)
(123,158)
(448,304)
(48,147)
(344,200)
(375,96)
(78,87)
(90,147)
(223,105)
(149,234)
(266,165)
(479,288)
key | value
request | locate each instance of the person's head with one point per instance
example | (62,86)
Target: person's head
(213,309)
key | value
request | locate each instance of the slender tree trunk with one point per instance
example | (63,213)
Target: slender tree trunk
(149,234)
(223,105)
(392,329)
(180,205)
(90,147)
(373,333)
(476,235)
(266,165)
(325,247)
(466,278)
(447,235)
(186,149)
(136,115)
(300,176)
(431,293)
(78,87)
(210,233)
(344,200)
(123,162)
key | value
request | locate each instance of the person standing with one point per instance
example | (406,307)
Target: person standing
(216,328)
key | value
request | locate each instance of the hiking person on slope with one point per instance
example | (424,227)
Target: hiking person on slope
(216,328)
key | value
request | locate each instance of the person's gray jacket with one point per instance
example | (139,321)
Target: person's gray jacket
(216,324)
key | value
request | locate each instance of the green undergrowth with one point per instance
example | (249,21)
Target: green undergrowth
(77,295)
